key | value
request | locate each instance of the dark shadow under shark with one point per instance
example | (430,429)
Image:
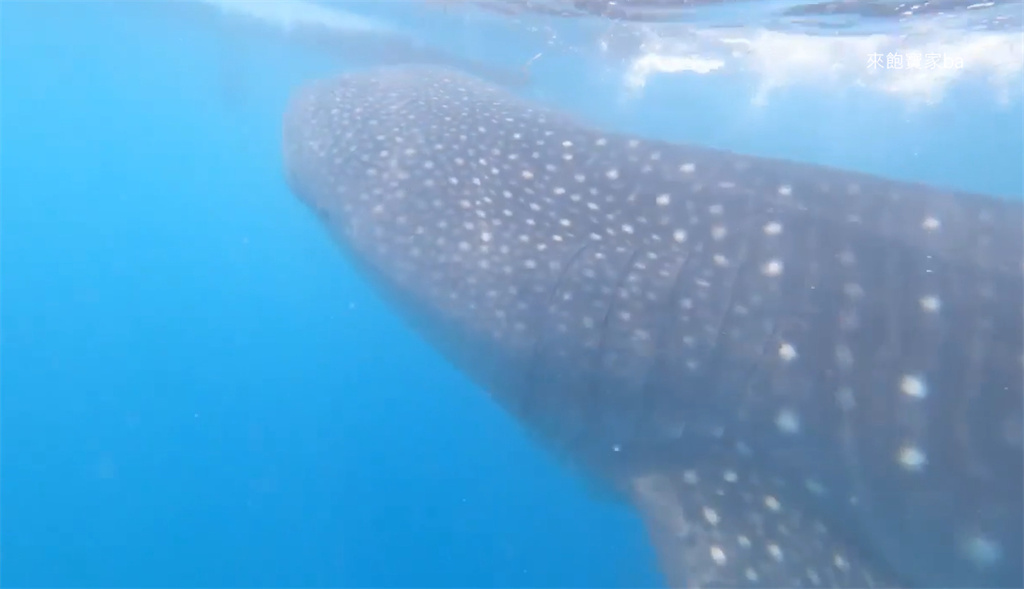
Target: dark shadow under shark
(801,376)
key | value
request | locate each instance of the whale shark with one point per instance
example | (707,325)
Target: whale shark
(798,375)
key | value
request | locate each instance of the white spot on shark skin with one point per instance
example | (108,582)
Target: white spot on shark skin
(930,224)
(772,503)
(840,562)
(775,552)
(785,190)
(772,268)
(679,235)
(814,487)
(844,397)
(787,421)
(773,228)
(982,551)
(718,555)
(663,200)
(913,386)
(853,290)
(844,356)
(711,516)
(787,353)
(813,576)
(911,458)
(931,304)
(687,168)
(1012,431)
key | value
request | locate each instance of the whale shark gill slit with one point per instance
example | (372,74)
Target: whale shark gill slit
(536,373)
(596,385)
(649,387)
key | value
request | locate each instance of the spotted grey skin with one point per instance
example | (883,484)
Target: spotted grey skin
(800,375)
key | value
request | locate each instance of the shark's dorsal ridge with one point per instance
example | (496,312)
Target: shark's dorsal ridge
(637,303)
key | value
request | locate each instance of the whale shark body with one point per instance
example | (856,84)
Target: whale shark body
(800,376)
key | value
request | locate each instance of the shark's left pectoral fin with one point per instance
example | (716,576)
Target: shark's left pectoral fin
(724,524)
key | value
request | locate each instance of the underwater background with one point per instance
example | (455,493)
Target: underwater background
(198,390)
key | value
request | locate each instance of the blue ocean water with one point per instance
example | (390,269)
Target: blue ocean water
(197,390)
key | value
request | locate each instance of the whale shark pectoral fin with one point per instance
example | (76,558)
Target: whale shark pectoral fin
(727,526)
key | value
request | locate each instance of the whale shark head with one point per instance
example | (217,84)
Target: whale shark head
(476,209)
(799,375)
